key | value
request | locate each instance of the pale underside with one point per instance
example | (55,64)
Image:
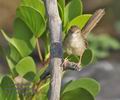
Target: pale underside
(75,44)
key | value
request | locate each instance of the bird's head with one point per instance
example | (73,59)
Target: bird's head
(74,29)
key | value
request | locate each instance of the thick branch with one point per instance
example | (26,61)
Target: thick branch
(55,26)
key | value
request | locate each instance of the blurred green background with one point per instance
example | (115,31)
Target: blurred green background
(104,41)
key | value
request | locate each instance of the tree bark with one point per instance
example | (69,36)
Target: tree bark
(55,26)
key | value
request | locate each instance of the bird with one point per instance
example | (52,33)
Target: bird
(76,42)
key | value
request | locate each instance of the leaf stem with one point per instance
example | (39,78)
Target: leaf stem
(39,51)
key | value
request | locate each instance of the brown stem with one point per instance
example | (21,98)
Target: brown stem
(39,51)
(67,65)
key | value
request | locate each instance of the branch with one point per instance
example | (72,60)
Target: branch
(66,65)
(39,51)
(55,26)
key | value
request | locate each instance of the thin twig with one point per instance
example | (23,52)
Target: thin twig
(39,50)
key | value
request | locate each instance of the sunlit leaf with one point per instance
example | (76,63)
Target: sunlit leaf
(33,19)
(36,4)
(87,83)
(80,21)
(72,10)
(25,65)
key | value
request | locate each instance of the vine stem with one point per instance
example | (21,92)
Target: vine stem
(39,51)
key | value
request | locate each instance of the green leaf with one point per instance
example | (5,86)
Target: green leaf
(77,94)
(86,83)
(61,13)
(2,96)
(40,72)
(65,85)
(80,21)
(33,19)
(30,76)
(72,10)
(25,66)
(1,76)
(9,89)
(13,54)
(38,5)
(43,92)
(62,4)
(23,39)
(86,57)
(73,58)
(12,57)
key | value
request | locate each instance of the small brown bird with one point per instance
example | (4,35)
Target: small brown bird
(76,41)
